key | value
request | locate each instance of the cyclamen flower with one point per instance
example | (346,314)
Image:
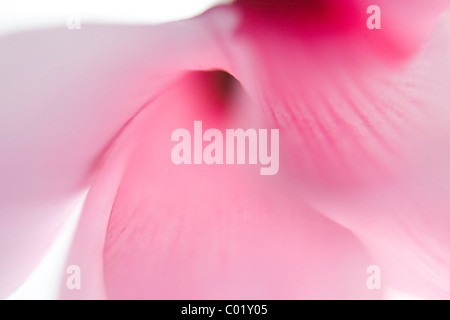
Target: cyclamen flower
(363,179)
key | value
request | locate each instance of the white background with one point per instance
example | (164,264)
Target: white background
(25,14)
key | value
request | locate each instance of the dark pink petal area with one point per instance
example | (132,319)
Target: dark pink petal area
(201,231)
(64,96)
(404,23)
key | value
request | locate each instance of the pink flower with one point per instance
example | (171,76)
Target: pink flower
(364,150)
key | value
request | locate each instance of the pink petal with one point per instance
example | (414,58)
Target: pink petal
(200,231)
(356,124)
(65,94)
(365,115)
(363,119)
